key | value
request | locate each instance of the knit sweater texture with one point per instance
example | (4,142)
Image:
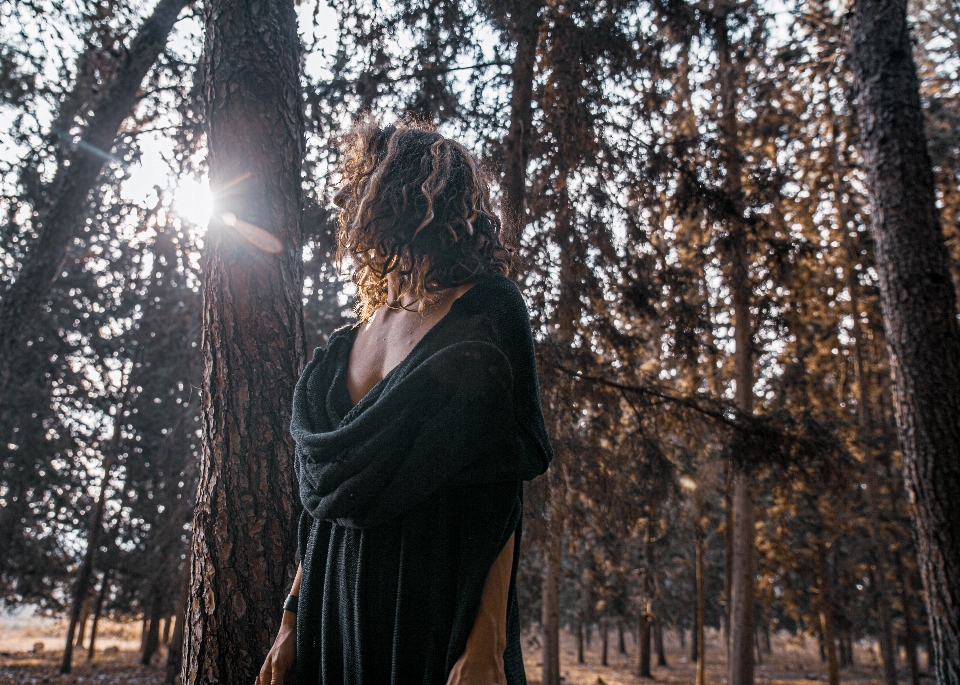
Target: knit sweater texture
(410,495)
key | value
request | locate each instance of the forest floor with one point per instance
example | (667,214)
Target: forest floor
(793,661)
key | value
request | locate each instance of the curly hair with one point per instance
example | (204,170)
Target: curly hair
(417,203)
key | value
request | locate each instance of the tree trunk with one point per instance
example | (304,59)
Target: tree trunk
(152,635)
(727,564)
(165,631)
(580,659)
(553,550)
(621,640)
(643,637)
(826,616)
(742,625)
(604,643)
(175,653)
(566,319)
(526,32)
(98,608)
(919,306)
(865,427)
(245,520)
(60,221)
(699,647)
(658,643)
(82,623)
(144,629)
(81,585)
(742,599)
(909,634)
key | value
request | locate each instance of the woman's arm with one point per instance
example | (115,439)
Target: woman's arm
(482,660)
(284,649)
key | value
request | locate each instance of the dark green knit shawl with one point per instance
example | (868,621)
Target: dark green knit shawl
(461,414)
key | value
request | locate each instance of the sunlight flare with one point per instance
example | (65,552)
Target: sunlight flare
(193,202)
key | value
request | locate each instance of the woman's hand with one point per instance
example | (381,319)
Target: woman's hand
(282,654)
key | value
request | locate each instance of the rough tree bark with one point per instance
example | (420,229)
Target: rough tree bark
(919,306)
(245,519)
(741,658)
(864,421)
(60,221)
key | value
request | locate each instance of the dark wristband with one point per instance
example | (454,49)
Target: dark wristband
(291,604)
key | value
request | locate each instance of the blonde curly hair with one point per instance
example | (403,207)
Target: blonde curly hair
(414,202)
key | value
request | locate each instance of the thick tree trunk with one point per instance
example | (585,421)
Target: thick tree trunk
(60,221)
(98,608)
(919,306)
(865,427)
(245,520)
(621,640)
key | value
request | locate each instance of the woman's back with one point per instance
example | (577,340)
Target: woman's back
(385,340)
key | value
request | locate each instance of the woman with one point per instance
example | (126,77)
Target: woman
(414,430)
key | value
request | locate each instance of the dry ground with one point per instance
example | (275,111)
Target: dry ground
(793,661)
